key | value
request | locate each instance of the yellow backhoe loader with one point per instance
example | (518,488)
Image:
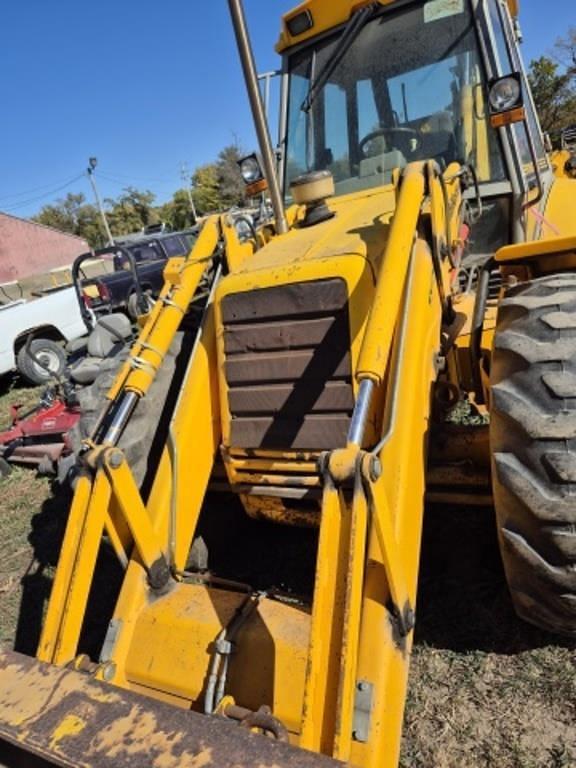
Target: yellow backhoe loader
(420,258)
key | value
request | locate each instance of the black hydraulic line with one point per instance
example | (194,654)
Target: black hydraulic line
(218,674)
(482,290)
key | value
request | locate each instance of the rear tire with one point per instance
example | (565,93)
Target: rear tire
(533,443)
(48,352)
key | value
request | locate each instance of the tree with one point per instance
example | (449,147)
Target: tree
(177,212)
(206,191)
(230,181)
(554,94)
(132,211)
(74,215)
(565,48)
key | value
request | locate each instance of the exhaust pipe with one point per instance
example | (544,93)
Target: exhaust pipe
(251,78)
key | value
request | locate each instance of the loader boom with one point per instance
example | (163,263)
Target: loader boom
(370,516)
(269,558)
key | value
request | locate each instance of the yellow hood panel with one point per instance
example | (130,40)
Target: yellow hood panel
(360,227)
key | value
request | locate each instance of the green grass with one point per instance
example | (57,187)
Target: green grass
(13,392)
(29,521)
(485,688)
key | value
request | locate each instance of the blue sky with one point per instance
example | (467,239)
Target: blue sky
(144,86)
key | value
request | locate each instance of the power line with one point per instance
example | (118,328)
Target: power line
(111,179)
(34,189)
(113,176)
(30,201)
(57,186)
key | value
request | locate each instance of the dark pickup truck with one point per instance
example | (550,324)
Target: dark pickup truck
(118,289)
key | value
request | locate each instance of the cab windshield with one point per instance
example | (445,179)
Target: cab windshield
(409,87)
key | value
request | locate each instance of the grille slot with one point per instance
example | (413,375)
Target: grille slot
(287,366)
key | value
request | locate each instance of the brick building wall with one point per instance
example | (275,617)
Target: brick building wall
(27,248)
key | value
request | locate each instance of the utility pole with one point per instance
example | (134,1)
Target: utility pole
(186,178)
(92,162)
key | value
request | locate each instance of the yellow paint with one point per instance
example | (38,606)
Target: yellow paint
(400,489)
(174,640)
(386,302)
(304,661)
(148,544)
(559,220)
(536,248)
(558,160)
(352,614)
(71,725)
(309,661)
(326,16)
(320,703)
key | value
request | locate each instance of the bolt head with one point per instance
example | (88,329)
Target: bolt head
(322,462)
(108,671)
(116,458)
(375,468)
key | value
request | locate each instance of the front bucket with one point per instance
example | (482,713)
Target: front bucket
(69,719)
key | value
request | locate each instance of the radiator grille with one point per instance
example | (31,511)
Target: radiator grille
(287,366)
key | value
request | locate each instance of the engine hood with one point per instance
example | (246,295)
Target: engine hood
(359,228)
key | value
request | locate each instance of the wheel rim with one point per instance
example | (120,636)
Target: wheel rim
(49,359)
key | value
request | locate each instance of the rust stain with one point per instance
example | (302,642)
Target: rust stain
(73,719)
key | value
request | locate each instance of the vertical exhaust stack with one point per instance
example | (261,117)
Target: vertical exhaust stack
(251,78)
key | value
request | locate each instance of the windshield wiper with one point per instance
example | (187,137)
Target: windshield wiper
(351,31)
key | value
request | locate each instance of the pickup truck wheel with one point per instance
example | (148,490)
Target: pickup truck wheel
(49,352)
(533,444)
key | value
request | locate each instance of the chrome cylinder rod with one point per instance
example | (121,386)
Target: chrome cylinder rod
(261,125)
(125,408)
(360,413)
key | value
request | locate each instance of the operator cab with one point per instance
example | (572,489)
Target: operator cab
(407,81)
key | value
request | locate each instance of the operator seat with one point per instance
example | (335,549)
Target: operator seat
(104,342)
(437,140)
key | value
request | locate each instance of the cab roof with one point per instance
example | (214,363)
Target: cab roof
(313,17)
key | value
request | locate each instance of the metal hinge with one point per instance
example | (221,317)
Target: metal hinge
(362,710)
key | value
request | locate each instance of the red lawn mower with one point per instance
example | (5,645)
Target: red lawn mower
(40,436)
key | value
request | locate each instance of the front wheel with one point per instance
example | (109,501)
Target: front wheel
(533,443)
(41,361)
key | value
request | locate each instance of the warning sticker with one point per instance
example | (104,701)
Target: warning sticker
(439,9)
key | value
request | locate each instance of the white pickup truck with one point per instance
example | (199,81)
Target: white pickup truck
(52,320)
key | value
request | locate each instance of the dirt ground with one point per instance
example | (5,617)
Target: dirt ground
(485,689)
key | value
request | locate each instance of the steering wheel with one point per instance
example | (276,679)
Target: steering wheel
(405,133)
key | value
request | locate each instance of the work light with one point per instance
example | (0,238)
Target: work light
(505,93)
(505,100)
(253,175)
(250,169)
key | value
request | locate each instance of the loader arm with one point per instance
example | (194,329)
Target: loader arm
(328,672)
